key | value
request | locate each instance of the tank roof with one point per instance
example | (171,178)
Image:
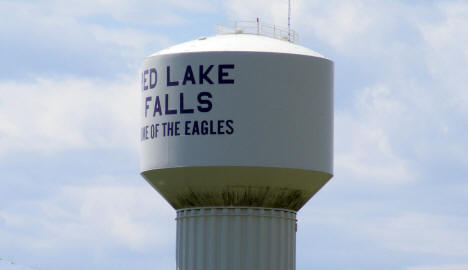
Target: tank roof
(238,43)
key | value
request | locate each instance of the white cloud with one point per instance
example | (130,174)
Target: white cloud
(6,265)
(365,145)
(404,232)
(48,115)
(275,11)
(392,129)
(79,37)
(158,12)
(446,54)
(132,217)
(338,23)
(422,233)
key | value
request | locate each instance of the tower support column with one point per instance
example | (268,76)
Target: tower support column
(236,238)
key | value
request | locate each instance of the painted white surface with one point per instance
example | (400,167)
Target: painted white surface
(281,106)
(236,238)
(238,43)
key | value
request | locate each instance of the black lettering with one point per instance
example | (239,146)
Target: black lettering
(156,129)
(170,128)
(229,124)
(157,107)
(212,130)
(187,127)
(188,75)
(147,99)
(204,127)
(220,127)
(203,101)
(164,129)
(176,128)
(204,74)
(152,132)
(153,74)
(222,74)
(169,83)
(182,109)
(166,107)
(145,86)
(142,135)
(196,129)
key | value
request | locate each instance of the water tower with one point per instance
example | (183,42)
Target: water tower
(237,135)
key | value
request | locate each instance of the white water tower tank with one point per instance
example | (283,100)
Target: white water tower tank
(237,135)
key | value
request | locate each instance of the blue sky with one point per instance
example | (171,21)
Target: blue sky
(70,193)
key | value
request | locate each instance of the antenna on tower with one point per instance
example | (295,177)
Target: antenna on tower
(289,20)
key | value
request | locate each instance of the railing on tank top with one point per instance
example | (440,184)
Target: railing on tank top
(258,28)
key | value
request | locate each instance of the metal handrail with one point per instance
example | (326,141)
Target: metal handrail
(258,28)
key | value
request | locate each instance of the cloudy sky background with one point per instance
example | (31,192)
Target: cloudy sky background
(70,193)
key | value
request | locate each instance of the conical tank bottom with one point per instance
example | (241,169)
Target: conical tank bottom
(236,186)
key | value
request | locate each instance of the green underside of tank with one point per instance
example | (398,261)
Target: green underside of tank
(236,186)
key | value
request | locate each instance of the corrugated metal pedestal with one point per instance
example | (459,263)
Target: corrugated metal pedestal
(236,238)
